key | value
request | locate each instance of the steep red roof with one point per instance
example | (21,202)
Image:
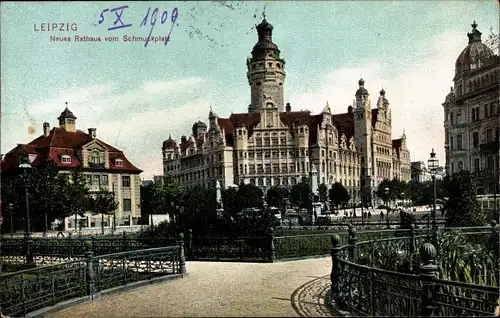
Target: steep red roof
(374,116)
(59,142)
(344,124)
(396,143)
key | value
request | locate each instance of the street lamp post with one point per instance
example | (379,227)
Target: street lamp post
(27,231)
(11,213)
(433,164)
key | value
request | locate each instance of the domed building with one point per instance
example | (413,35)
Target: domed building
(471,110)
(274,145)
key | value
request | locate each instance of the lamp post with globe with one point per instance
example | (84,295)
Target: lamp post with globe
(28,240)
(433,164)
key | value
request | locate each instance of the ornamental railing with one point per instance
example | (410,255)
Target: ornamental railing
(38,290)
(413,290)
(273,245)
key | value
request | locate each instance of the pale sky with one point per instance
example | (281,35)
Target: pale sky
(136,96)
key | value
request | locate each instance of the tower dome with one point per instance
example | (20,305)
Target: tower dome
(475,54)
(361,90)
(265,43)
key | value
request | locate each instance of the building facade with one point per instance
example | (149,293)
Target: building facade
(105,167)
(471,114)
(274,145)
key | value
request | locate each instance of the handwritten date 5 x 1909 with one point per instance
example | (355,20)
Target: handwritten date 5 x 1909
(146,21)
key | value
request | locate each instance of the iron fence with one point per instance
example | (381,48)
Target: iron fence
(39,288)
(368,290)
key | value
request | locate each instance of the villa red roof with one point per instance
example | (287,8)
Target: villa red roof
(59,142)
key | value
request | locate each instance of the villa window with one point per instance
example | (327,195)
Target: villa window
(126,181)
(119,162)
(65,159)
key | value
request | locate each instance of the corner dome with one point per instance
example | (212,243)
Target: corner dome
(169,143)
(475,55)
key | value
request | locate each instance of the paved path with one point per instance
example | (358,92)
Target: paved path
(216,289)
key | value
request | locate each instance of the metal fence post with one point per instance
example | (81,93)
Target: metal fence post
(182,256)
(412,238)
(95,244)
(428,272)
(190,244)
(89,259)
(334,275)
(412,247)
(353,239)
(124,242)
(273,248)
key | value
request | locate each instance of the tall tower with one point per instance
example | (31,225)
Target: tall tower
(266,70)
(363,135)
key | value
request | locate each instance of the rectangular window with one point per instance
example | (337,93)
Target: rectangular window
(127,205)
(126,181)
(475,139)
(276,168)
(490,163)
(452,144)
(95,180)
(459,142)
(460,165)
(476,165)
(104,180)
(88,179)
(489,135)
(486,111)
(260,169)
(268,168)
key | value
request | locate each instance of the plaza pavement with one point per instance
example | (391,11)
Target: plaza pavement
(220,289)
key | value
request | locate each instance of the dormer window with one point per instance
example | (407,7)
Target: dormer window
(119,162)
(65,159)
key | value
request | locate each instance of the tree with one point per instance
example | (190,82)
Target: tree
(230,201)
(199,210)
(462,207)
(301,194)
(323,192)
(103,203)
(52,195)
(276,197)
(384,190)
(249,196)
(76,194)
(339,194)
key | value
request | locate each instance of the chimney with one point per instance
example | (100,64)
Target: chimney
(183,139)
(46,129)
(288,108)
(92,133)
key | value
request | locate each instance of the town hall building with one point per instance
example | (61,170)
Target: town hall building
(274,145)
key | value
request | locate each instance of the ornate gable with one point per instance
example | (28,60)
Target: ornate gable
(343,142)
(352,144)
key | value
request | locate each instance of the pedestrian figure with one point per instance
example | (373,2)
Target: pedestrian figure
(369,215)
(381,215)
